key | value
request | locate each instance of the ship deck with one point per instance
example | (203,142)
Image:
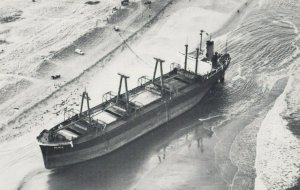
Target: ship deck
(113,110)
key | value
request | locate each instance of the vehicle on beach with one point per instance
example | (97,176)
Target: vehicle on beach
(115,9)
(125,2)
(54,77)
(116,28)
(79,51)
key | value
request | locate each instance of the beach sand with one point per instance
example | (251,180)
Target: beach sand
(212,165)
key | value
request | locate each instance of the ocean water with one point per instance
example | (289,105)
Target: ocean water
(268,50)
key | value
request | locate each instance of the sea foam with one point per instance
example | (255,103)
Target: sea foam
(278,150)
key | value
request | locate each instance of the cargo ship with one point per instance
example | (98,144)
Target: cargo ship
(124,117)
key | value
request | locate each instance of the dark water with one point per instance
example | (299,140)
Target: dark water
(265,52)
(120,169)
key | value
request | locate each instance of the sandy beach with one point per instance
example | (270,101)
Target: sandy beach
(213,146)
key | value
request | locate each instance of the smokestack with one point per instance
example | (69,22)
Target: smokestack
(209,50)
(197,56)
(186,54)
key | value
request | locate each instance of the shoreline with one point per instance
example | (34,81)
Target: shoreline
(42,120)
(144,24)
(237,144)
(273,148)
(99,64)
(244,148)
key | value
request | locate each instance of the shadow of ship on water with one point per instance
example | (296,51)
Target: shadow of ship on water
(121,168)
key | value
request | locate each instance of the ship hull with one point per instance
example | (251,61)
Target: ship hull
(63,155)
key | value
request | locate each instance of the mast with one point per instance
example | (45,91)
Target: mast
(85,96)
(201,35)
(197,56)
(126,90)
(160,62)
(186,54)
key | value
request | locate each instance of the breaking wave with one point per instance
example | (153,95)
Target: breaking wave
(278,150)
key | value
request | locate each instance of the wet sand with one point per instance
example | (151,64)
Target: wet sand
(184,154)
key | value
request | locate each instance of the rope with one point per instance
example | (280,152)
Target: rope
(132,51)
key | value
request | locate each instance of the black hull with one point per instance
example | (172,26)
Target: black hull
(63,155)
